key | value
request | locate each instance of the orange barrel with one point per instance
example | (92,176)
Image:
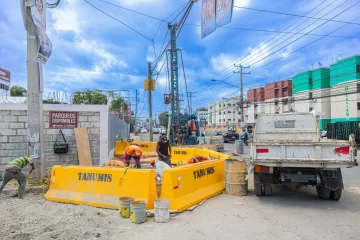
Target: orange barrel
(235,174)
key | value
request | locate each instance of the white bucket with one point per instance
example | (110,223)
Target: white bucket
(162,213)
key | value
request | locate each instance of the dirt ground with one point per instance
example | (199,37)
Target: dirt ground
(289,214)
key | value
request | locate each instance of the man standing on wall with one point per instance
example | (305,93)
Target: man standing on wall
(13,171)
(163,150)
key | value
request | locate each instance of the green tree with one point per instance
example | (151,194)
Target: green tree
(51,101)
(119,106)
(202,109)
(162,118)
(17,91)
(89,97)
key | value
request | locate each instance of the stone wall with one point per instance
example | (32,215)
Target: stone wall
(14,140)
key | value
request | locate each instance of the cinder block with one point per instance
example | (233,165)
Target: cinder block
(5,160)
(95,155)
(10,118)
(22,132)
(46,113)
(94,143)
(72,151)
(97,124)
(46,125)
(18,113)
(97,114)
(7,132)
(16,139)
(94,118)
(94,130)
(22,118)
(3,139)
(87,113)
(12,153)
(52,131)
(86,124)
(45,118)
(4,125)
(83,118)
(95,149)
(48,138)
(48,145)
(23,146)
(52,158)
(16,125)
(4,112)
(94,137)
(48,152)
(7,146)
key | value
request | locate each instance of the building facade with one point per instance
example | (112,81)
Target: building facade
(345,90)
(277,96)
(225,112)
(256,104)
(311,93)
(4,80)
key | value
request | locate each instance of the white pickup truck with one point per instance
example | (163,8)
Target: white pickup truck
(287,149)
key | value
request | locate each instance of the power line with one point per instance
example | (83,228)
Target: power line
(133,29)
(293,15)
(261,45)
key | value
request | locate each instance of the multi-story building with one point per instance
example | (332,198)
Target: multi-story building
(256,104)
(277,97)
(345,90)
(225,112)
(311,93)
(4,80)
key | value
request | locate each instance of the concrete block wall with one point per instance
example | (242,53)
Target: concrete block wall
(14,139)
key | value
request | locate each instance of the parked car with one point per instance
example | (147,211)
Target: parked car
(323,133)
(230,136)
(143,130)
(156,130)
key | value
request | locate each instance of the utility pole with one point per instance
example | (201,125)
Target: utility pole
(191,96)
(150,100)
(34,89)
(241,89)
(136,104)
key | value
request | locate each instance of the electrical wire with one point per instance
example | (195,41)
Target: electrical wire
(133,29)
(293,15)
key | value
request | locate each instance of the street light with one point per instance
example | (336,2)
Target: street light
(214,80)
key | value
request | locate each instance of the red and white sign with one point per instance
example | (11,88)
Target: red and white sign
(4,75)
(58,119)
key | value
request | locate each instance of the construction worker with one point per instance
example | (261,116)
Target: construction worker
(114,163)
(163,149)
(133,152)
(159,169)
(197,159)
(13,171)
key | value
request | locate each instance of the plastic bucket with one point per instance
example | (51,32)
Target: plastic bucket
(162,213)
(125,206)
(138,211)
(235,175)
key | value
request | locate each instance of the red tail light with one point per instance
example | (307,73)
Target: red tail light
(262,169)
(342,150)
(262,150)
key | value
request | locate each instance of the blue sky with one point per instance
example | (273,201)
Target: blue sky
(91,50)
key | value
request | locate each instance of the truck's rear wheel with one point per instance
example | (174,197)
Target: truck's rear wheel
(326,193)
(323,192)
(267,190)
(257,188)
(336,195)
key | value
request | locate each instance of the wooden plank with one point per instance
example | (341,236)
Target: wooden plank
(83,146)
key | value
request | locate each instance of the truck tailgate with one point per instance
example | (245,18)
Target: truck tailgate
(320,155)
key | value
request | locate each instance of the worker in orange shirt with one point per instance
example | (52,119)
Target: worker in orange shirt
(133,152)
(114,163)
(197,159)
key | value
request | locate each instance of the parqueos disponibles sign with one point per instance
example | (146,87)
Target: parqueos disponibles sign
(63,119)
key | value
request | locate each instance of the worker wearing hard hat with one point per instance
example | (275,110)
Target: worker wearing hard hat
(114,163)
(13,171)
(133,152)
(160,167)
